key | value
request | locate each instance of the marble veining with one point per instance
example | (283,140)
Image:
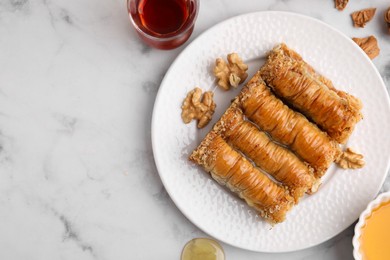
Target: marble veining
(77,88)
(71,234)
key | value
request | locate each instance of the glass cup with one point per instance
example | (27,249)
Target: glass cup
(203,248)
(163,24)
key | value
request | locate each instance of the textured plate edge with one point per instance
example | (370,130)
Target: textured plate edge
(157,100)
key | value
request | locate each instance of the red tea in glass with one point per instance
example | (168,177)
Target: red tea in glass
(163,24)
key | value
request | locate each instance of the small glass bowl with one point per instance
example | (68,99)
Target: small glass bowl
(382,198)
(169,40)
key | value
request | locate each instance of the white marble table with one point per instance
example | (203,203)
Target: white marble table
(77,87)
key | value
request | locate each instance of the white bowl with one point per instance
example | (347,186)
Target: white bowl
(384,197)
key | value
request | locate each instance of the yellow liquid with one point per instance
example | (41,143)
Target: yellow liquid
(202,249)
(375,238)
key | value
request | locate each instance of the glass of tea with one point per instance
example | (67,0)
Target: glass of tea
(163,24)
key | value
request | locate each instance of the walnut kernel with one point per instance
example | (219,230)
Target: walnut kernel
(197,107)
(369,45)
(234,80)
(387,18)
(340,4)
(221,71)
(349,159)
(231,73)
(362,17)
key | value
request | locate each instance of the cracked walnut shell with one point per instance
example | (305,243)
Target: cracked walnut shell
(362,17)
(232,73)
(196,106)
(340,4)
(387,18)
(369,45)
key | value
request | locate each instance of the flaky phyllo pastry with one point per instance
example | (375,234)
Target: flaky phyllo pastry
(278,161)
(297,83)
(288,127)
(268,152)
(228,167)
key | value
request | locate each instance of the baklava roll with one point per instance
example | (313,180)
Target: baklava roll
(297,83)
(287,126)
(230,168)
(274,159)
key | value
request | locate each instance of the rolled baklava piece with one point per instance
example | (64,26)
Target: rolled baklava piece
(283,165)
(297,83)
(288,127)
(230,168)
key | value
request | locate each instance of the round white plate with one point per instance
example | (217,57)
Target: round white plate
(343,195)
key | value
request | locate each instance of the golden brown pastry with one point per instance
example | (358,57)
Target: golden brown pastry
(274,159)
(287,126)
(353,101)
(230,168)
(297,83)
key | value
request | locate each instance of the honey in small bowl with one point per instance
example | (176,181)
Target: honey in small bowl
(375,234)
(202,249)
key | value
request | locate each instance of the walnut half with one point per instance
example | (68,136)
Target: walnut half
(369,45)
(387,18)
(340,4)
(232,73)
(196,106)
(362,17)
(350,160)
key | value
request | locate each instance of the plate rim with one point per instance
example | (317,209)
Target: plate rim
(158,97)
